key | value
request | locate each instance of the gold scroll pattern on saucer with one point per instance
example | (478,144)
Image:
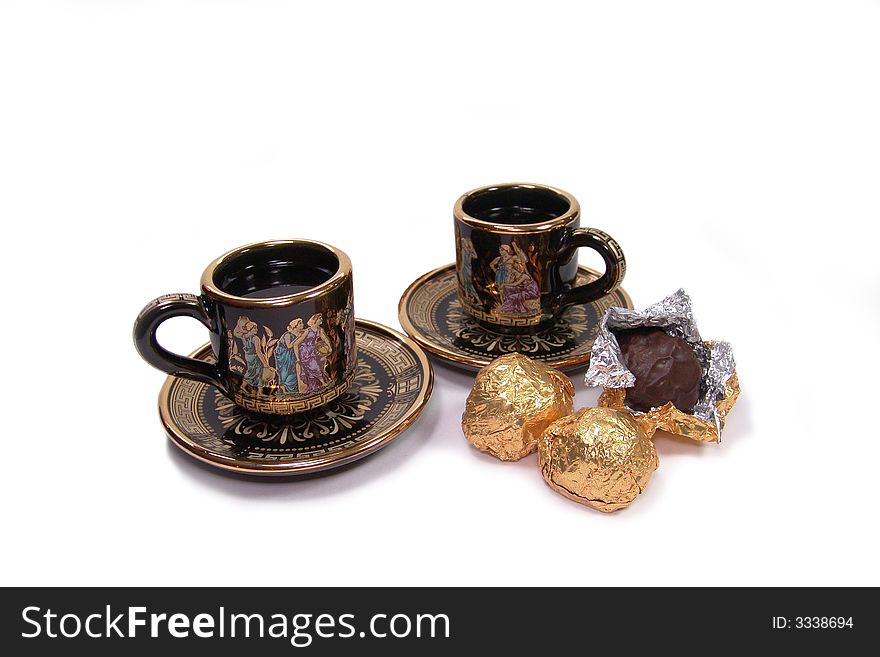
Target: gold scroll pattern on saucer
(600,457)
(669,418)
(513,400)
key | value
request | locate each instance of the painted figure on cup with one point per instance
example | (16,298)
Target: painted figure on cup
(502,265)
(237,364)
(518,290)
(285,357)
(331,324)
(312,351)
(466,271)
(257,351)
(348,335)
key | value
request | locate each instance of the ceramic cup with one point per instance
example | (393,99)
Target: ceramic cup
(281,322)
(516,255)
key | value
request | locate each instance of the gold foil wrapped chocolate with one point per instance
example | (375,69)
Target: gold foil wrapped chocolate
(513,400)
(600,457)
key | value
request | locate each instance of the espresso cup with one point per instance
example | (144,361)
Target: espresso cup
(516,255)
(281,322)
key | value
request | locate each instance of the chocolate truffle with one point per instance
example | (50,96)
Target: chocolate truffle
(666,370)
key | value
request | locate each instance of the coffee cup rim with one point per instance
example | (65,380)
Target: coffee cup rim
(567,217)
(210,289)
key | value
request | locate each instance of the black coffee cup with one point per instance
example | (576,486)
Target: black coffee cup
(516,255)
(281,321)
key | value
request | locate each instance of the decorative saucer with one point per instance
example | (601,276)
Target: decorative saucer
(391,385)
(431,314)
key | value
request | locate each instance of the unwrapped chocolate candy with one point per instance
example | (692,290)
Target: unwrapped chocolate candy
(719,386)
(513,400)
(600,457)
(666,369)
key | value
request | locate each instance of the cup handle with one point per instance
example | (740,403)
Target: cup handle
(615,265)
(148,321)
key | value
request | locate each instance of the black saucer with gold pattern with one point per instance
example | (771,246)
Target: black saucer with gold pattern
(431,314)
(392,383)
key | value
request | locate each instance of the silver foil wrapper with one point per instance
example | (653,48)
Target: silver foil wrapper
(675,316)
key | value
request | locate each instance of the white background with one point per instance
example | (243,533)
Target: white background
(732,148)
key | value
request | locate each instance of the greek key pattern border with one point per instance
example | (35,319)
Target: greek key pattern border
(184,403)
(282,407)
(501,320)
